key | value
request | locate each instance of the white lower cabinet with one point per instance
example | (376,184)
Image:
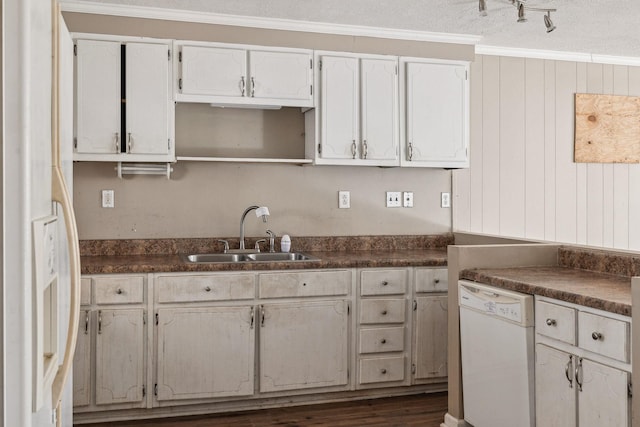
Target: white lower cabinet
(304,345)
(110,362)
(205,352)
(577,384)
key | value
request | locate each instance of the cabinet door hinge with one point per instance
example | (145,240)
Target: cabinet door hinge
(311,63)
(319,148)
(413,368)
(630,389)
(320,64)
(75,142)
(466,75)
(157,319)
(180,84)
(180,56)
(415,305)
(396,70)
(348,374)
(144,318)
(75,50)
(311,89)
(348,309)
(169,54)
(155,389)
(144,391)
(169,144)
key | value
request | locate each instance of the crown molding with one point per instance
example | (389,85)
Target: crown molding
(80,6)
(556,55)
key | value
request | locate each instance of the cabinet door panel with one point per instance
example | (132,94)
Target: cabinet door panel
(379,86)
(304,345)
(604,399)
(555,388)
(98,97)
(340,106)
(280,75)
(430,349)
(147,77)
(214,71)
(205,352)
(436,112)
(82,361)
(120,355)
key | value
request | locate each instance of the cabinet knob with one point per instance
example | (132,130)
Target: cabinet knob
(384,312)
(383,341)
(596,336)
(436,281)
(119,291)
(383,371)
(551,322)
(208,289)
(385,283)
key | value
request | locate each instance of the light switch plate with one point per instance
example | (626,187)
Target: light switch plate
(394,199)
(407,199)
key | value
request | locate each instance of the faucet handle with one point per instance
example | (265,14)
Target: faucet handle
(272,240)
(257,247)
(226,245)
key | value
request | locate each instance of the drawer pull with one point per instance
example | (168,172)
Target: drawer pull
(383,341)
(119,291)
(566,371)
(304,284)
(578,374)
(207,289)
(383,371)
(384,312)
(99,321)
(596,336)
(385,283)
(551,322)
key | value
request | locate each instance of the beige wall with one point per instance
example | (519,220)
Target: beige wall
(523,181)
(207,199)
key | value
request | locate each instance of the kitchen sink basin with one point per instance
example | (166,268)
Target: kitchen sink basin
(249,257)
(280,256)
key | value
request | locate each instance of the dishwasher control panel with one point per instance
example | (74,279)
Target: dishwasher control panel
(509,305)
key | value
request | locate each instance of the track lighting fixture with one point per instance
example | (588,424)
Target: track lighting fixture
(521,8)
(482,7)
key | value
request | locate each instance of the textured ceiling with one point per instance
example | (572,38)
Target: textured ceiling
(604,27)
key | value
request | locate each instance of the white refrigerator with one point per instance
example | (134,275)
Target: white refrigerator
(40,280)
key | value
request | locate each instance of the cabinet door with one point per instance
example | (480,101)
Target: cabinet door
(147,106)
(339,107)
(284,76)
(603,399)
(436,114)
(98,96)
(430,337)
(555,388)
(82,361)
(304,345)
(205,352)
(379,109)
(214,71)
(120,356)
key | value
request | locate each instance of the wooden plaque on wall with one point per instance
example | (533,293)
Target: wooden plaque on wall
(607,129)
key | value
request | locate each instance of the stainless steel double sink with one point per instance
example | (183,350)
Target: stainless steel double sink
(249,257)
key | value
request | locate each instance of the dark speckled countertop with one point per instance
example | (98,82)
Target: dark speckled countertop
(592,278)
(164,255)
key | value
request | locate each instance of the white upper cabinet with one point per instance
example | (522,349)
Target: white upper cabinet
(244,75)
(436,113)
(143,98)
(358,114)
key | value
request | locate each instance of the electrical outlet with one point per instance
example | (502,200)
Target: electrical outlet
(445,200)
(108,199)
(407,199)
(344,199)
(394,199)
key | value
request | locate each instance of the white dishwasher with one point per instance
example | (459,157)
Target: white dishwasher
(497,352)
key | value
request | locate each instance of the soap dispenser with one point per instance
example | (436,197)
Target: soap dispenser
(285,243)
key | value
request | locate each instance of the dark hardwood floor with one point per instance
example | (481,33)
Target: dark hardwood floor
(424,410)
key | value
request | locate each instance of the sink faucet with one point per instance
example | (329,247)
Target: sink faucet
(272,240)
(260,212)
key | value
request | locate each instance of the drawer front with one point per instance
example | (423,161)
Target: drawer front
(381,340)
(556,321)
(382,311)
(85,291)
(206,287)
(432,280)
(387,369)
(119,290)
(383,282)
(603,335)
(304,284)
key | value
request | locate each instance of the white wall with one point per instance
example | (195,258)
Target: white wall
(522,181)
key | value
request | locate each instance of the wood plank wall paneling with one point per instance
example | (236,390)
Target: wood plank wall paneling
(523,181)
